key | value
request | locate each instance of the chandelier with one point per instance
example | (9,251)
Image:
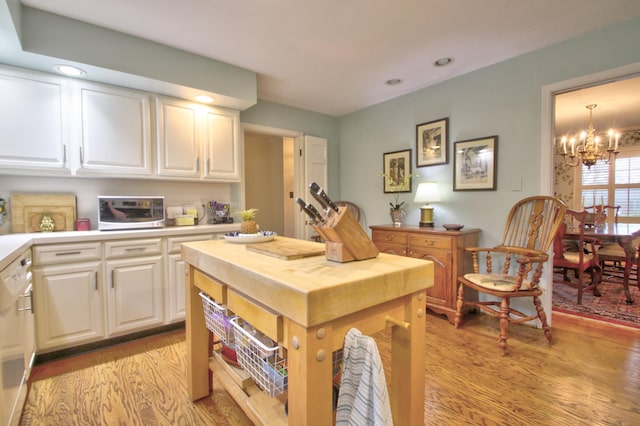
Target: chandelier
(588,148)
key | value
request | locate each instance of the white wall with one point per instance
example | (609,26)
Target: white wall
(506,99)
(87,191)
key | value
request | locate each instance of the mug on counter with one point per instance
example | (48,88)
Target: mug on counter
(83,224)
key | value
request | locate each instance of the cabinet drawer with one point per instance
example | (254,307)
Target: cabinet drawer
(430,241)
(66,253)
(128,248)
(174,243)
(260,317)
(389,237)
(211,287)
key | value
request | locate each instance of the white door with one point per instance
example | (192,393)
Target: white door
(314,154)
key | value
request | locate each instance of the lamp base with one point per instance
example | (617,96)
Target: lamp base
(426,216)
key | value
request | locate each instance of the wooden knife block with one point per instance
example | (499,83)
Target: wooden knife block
(345,239)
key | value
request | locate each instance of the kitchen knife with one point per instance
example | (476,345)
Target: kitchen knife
(313,210)
(304,208)
(318,193)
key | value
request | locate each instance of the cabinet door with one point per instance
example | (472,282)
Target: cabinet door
(33,113)
(176,269)
(441,292)
(134,294)
(68,305)
(220,143)
(115,136)
(178,138)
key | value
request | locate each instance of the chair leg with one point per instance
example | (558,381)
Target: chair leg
(457,321)
(596,278)
(504,323)
(543,319)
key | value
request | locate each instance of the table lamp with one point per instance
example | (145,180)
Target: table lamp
(426,193)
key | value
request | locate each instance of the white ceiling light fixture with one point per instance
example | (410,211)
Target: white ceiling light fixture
(443,62)
(204,99)
(69,70)
(393,81)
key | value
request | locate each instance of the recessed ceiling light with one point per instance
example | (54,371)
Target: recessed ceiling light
(443,61)
(204,99)
(69,70)
(393,81)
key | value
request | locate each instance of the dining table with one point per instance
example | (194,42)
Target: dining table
(623,234)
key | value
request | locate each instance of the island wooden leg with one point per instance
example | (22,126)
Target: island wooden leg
(310,374)
(197,341)
(407,365)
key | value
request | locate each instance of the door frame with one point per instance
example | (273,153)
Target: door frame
(298,165)
(547,127)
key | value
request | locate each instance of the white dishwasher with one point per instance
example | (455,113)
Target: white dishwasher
(17,347)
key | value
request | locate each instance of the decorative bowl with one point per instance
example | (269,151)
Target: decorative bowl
(453,226)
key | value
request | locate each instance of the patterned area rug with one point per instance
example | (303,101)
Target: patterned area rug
(610,307)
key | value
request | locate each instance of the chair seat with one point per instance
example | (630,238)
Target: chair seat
(499,282)
(572,260)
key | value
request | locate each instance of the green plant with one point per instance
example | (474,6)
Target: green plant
(249,214)
(396,185)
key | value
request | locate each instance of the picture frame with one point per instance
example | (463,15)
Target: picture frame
(474,164)
(397,171)
(432,140)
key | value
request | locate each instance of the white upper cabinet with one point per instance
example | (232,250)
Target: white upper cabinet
(33,114)
(178,147)
(196,141)
(115,131)
(57,126)
(220,144)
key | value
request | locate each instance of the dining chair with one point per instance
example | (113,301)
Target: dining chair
(610,213)
(530,229)
(577,253)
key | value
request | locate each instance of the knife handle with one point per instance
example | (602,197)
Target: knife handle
(303,207)
(315,212)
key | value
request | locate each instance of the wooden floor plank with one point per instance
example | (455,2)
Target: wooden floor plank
(590,375)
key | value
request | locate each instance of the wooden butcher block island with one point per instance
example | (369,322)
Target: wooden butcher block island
(307,304)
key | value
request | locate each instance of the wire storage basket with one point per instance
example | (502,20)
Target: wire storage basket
(217,320)
(260,357)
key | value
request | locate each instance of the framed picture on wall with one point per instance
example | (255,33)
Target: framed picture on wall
(474,164)
(397,171)
(432,139)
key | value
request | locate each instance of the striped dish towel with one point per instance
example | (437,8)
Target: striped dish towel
(363,398)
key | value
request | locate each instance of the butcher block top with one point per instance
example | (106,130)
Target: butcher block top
(309,290)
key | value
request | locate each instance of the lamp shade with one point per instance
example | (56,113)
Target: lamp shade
(427,192)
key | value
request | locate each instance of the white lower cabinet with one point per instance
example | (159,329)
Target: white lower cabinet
(87,292)
(134,290)
(175,282)
(69,296)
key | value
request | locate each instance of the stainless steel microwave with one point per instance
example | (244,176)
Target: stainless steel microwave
(124,212)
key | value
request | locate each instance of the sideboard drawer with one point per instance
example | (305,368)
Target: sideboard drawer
(389,237)
(430,241)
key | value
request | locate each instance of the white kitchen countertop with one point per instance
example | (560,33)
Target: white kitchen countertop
(13,245)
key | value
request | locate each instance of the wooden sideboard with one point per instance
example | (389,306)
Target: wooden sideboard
(445,248)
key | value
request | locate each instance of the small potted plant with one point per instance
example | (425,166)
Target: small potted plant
(248,225)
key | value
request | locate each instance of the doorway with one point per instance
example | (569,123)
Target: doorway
(270,180)
(612,92)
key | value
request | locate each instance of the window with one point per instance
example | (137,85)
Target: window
(616,183)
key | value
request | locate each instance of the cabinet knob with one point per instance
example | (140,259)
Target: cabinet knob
(389,237)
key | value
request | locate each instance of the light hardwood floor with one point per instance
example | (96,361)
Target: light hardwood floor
(590,376)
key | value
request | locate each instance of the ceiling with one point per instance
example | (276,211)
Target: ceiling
(334,56)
